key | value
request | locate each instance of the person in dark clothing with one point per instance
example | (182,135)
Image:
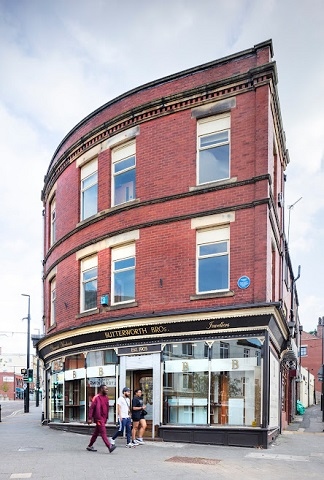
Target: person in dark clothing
(98,413)
(138,417)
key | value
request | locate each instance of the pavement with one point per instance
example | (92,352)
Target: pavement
(30,450)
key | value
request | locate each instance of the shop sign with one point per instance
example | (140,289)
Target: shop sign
(139,349)
(96,382)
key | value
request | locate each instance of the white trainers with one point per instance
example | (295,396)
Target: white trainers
(140,441)
(111,440)
(130,445)
(135,442)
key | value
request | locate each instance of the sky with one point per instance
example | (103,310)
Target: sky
(62,59)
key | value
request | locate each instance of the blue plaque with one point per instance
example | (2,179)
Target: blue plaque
(243,282)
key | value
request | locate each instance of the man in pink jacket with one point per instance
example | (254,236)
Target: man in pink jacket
(98,413)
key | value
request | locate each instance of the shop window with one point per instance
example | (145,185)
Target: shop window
(222,390)
(124,173)
(89,189)
(224,350)
(213,149)
(212,260)
(57,397)
(123,274)
(89,274)
(101,357)
(72,362)
(75,407)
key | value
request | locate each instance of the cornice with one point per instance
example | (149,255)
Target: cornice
(200,95)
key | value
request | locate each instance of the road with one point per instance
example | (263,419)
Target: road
(30,450)
(10,409)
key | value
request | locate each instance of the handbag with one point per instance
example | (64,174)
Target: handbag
(144,412)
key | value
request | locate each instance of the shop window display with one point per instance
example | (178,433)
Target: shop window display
(204,386)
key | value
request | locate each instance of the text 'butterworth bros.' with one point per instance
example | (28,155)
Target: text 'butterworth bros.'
(129,332)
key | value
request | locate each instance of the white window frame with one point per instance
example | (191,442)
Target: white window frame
(53,302)
(53,221)
(89,179)
(209,237)
(207,127)
(120,253)
(88,266)
(120,154)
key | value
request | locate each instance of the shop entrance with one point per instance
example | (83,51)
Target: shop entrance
(143,379)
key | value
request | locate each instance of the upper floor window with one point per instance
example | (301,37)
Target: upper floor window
(123,274)
(213,149)
(303,351)
(212,259)
(124,173)
(89,189)
(53,302)
(53,221)
(89,274)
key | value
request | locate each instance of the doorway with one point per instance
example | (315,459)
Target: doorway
(143,379)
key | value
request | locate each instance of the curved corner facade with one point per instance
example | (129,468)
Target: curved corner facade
(165,262)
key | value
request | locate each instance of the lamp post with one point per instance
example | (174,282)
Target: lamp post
(289,209)
(26,391)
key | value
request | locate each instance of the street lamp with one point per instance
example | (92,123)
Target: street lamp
(289,209)
(26,402)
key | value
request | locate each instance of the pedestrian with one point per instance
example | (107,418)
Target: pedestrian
(138,417)
(124,417)
(98,413)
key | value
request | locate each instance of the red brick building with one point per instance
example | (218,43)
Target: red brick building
(165,260)
(311,354)
(11,386)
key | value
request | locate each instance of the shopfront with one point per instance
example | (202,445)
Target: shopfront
(206,387)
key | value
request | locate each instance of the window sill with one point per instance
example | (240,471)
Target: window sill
(89,312)
(205,296)
(213,184)
(122,305)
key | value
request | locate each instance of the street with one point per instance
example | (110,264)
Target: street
(30,450)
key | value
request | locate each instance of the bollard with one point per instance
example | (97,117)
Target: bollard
(0,412)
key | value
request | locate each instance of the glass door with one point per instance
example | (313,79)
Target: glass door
(143,379)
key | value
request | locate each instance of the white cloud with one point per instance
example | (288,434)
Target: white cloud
(61,60)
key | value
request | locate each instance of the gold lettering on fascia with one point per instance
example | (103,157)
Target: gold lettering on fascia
(61,344)
(139,349)
(129,332)
(217,325)
(235,364)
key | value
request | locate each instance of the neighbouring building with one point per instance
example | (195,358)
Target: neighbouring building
(311,354)
(166,264)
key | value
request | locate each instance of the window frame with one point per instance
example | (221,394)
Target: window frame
(52,316)
(88,264)
(52,221)
(212,236)
(119,254)
(88,171)
(208,127)
(120,154)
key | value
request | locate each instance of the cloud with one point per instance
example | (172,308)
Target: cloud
(61,60)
